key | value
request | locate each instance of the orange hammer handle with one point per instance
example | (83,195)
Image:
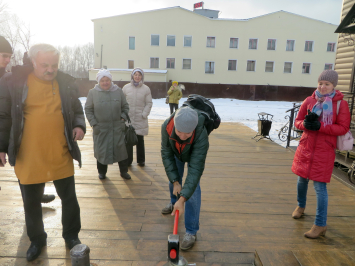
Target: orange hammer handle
(176,223)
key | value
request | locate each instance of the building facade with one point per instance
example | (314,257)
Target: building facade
(278,49)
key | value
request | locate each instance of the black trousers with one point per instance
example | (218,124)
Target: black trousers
(32,196)
(102,168)
(173,106)
(140,151)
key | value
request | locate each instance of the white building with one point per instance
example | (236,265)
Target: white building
(280,49)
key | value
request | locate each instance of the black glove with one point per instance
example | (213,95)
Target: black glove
(315,125)
(311,116)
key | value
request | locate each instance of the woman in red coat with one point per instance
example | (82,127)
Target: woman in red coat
(314,158)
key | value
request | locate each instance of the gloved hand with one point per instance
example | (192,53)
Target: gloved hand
(311,116)
(315,125)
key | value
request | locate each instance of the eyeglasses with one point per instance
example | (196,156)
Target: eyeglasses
(6,56)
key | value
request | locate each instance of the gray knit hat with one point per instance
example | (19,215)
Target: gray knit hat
(186,119)
(329,75)
(5,46)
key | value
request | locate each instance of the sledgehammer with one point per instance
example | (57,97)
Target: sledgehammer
(174,246)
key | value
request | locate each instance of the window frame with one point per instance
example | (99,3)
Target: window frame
(329,64)
(294,45)
(167,40)
(190,63)
(236,64)
(305,45)
(214,42)
(257,43)
(273,66)
(167,63)
(310,67)
(128,63)
(183,41)
(151,40)
(150,66)
(254,66)
(214,67)
(267,44)
(291,67)
(129,37)
(334,47)
(230,43)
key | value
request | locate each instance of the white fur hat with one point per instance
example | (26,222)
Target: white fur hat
(103,73)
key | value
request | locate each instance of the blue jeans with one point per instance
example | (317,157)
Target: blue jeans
(192,206)
(322,199)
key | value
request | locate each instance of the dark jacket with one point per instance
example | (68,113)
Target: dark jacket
(13,93)
(315,154)
(193,150)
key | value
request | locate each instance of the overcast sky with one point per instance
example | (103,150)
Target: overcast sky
(68,22)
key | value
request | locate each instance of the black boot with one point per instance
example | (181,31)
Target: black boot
(125,175)
(102,176)
(35,250)
(47,198)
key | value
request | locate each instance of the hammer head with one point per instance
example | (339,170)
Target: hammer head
(173,248)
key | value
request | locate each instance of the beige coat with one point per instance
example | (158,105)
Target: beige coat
(140,103)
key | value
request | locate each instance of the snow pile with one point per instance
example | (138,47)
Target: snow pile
(232,110)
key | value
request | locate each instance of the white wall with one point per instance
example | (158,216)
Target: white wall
(113,33)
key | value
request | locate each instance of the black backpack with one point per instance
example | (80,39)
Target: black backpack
(206,108)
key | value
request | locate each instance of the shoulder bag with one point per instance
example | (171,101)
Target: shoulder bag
(344,142)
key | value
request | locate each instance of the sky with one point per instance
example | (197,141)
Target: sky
(68,22)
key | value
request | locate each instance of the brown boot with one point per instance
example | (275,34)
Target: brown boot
(316,231)
(298,213)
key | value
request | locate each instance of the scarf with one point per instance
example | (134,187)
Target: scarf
(113,87)
(324,107)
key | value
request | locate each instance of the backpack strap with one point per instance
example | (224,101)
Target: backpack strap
(338,106)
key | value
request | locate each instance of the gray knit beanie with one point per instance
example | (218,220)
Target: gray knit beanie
(329,75)
(186,119)
(5,46)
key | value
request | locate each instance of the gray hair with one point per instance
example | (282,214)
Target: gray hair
(41,47)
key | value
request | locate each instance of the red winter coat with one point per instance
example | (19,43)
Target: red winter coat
(315,154)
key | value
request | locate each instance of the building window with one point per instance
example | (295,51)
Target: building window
(209,67)
(306,68)
(154,40)
(154,62)
(170,40)
(328,66)
(170,63)
(233,43)
(132,43)
(253,44)
(290,45)
(186,63)
(271,44)
(187,41)
(130,64)
(232,64)
(211,42)
(330,47)
(308,46)
(251,65)
(288,67)
(269,66)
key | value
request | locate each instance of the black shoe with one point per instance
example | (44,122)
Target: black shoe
(47,198)
(102,176)
(72,242)
(34,250)
(141,164)
(126,176)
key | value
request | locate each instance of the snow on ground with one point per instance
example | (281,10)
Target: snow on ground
(232,110)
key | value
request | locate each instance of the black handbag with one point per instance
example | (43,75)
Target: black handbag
(130,134)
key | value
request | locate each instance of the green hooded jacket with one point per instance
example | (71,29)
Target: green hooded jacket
(194,153)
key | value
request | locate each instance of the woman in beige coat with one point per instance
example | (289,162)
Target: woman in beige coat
(140,103)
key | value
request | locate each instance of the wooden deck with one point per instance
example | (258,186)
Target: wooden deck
(248,195)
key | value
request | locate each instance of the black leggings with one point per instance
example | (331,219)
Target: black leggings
(173,106)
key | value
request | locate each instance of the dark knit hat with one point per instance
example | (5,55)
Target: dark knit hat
(329,75)
(5,46)
(186,119)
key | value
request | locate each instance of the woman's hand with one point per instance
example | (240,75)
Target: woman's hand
(314,126)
